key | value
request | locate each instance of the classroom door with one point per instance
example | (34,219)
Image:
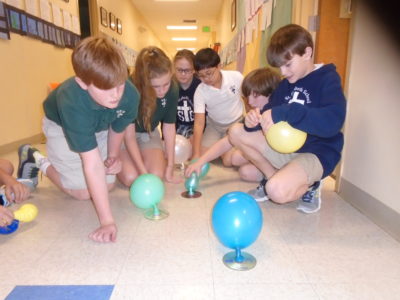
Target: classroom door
(332,40)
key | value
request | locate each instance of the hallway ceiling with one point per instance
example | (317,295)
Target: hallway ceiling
(159,14)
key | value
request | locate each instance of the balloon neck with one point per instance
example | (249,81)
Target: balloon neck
(239,257)
(156,211)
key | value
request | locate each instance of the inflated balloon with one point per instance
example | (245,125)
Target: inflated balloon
(204,168)
(192,183)
(183,149)
(237,222)
(147,190)
(284,138)
(26,213)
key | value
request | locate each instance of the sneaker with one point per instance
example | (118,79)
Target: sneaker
(27,168)
(310,202)
(259,193)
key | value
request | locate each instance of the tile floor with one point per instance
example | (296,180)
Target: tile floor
(337,253)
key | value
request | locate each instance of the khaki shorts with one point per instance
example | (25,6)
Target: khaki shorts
(150,140)
(68,163)
(308,161)
(215,131)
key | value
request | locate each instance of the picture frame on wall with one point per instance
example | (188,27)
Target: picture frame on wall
(103,16)
(233,15)
(119,26)
(113,24)
(14,19)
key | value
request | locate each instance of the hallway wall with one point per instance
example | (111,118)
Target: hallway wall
(29,65)
(371,160)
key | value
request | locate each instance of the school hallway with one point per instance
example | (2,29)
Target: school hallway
(337,253)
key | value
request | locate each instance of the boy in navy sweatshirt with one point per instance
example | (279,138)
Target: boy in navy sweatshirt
(309,98)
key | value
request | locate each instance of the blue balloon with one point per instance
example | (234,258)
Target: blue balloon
(237,220)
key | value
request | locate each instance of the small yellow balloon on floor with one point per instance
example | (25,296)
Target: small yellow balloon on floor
(26,213)
(284,138)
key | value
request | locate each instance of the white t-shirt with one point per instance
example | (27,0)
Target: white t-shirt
(224,105)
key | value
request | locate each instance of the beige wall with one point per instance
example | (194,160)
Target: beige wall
(136,33)
(27,66)
(371,159)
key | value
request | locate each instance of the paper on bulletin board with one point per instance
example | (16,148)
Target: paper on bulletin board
(76,27)
(269,13)
(31,7)
(16,3)
(45,10)
(57,19)
(67,20)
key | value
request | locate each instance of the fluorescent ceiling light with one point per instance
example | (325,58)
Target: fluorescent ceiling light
(184,39)
(187,27)
(191,49)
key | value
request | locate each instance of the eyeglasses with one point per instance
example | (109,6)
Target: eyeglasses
(207,74)
(184,71)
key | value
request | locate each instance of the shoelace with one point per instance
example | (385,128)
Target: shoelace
(34,172)
(308,196)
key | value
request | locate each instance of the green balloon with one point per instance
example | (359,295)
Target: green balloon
(191,183)
(204,168)
(147,191)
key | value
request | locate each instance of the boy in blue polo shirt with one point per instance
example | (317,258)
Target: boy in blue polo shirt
(309,98)
(84,123)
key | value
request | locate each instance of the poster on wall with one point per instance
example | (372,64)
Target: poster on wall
(16,3)
(45,10)
(4,29)
(31,7)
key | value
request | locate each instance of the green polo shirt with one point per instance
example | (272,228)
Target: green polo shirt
(81,117)
(165,110)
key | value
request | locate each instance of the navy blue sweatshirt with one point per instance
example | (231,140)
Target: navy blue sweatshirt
(314,104)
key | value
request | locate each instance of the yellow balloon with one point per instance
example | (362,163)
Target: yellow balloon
(284,138)
(26,213)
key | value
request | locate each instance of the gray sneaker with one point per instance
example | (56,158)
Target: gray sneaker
(310,202)
(259,193)
(27,168)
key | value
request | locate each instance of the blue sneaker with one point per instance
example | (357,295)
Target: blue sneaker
(310,202)
(27,168)
(259,193)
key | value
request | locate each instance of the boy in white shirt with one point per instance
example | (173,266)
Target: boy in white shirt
(218,94)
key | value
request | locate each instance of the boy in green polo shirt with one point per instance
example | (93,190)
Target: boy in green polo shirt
(84,123)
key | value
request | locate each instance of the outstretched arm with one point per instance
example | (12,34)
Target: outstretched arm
(95,174)
(133,148)
(199,123)
(169,133)
(215,151)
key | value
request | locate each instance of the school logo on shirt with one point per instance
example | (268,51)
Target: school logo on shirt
(163,102)
(233,89)
(298,95)
(120,113)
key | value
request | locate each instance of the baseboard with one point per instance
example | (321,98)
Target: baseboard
(39,138)
(382,215)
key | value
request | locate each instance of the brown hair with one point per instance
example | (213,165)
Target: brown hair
(287,41)
(151,63)
(262,81)
(97,61)
(186,54)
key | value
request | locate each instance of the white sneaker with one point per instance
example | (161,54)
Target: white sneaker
(259,193)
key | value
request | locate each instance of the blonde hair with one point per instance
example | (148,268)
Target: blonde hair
(97,61)
(151,63)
